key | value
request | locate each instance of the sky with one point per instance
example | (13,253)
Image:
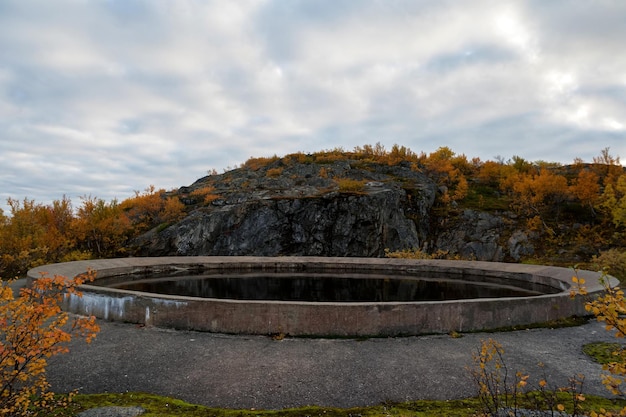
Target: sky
(103,98)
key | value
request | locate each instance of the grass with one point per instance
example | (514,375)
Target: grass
(165,406)
(347,185)
(485,198)
(572,321)
(602,352)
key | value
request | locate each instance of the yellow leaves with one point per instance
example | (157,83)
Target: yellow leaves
(610,308)
(605,413)
(32,329)
(522,380)
(497,391)
(539,192)
(579,288)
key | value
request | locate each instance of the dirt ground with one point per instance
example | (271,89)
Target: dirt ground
(260,372)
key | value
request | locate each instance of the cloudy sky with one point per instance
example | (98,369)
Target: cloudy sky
(104,97)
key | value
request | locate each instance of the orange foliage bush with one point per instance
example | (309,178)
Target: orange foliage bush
(151,208)
(274,172)
(440,165)
(32,329)
(586,188)
(536,195)
(206,194)
(101,228)
(258,163)
(610,309)
(34,234)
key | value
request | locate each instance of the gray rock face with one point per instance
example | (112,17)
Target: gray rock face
(303,211)
(520,245)
(474,235)
(330,225)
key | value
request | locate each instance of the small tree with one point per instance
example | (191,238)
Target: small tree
(610,309)
(500,393)
(33,328)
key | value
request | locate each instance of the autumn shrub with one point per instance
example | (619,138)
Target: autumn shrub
(274,172)
(369,152)
(443,167)
(257,163)
(298,157)
(33,328)
(151,208)
(399,154)
(496,389)
(34,234)
(347,185)
(614,260)
(101,228)
(502,392)
(205,194)
(610,309)
(328,157)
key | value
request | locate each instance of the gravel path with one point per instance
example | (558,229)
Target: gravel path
(259,372)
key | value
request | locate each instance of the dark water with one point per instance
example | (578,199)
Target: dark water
(321,287)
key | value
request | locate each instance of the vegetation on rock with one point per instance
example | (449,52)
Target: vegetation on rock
(568,214)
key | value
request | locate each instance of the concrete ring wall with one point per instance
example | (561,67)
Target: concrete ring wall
(323,319)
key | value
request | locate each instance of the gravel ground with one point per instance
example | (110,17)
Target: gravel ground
(258,372)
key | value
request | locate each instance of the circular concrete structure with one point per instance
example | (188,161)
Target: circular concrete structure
(302,318)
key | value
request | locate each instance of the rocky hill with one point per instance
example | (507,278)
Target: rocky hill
(344,207)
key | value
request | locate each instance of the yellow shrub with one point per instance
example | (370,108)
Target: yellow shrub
(33,328)
(347,185)
(614,261)
(206,194)
(258,163)
(274,172)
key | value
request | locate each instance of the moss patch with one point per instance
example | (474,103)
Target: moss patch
(603,352)
(552,324)
(164,406)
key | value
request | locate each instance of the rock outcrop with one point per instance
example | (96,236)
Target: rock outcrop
(334,224)
(306,209)
(301,212)
(473,235)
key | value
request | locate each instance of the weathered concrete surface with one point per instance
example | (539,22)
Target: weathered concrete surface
(325,319)
(256,371)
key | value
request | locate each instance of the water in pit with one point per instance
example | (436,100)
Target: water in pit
(321,287)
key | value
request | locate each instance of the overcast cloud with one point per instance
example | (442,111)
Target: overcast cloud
(103,97)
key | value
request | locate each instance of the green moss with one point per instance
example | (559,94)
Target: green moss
(551,324)
(485,198)
(162,227)
(603,352)
(164,406)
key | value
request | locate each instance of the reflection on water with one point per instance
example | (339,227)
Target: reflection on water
(320,287)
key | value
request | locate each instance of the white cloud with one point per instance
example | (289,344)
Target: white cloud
(105,98)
